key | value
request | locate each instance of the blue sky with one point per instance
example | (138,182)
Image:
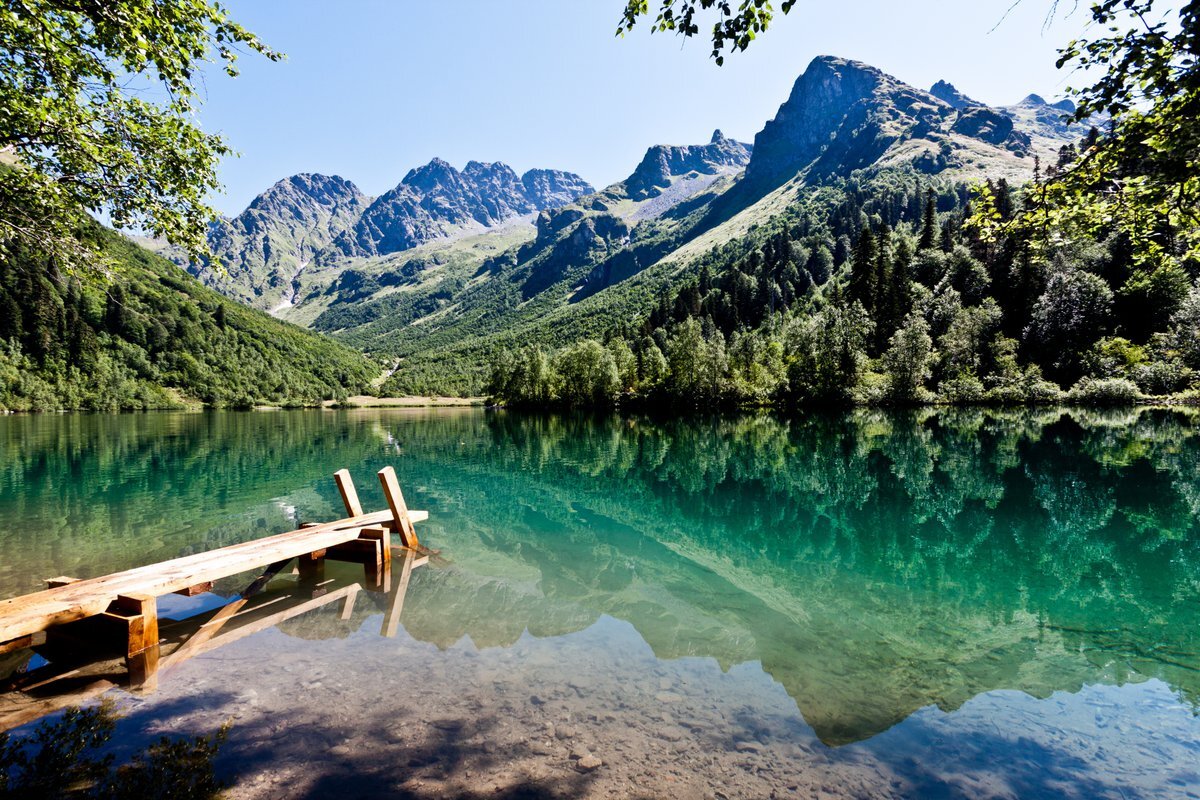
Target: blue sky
(372,88)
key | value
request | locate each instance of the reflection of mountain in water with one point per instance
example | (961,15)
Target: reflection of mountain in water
(873,563)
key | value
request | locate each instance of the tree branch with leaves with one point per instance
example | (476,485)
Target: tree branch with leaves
(736,25)
(97,113)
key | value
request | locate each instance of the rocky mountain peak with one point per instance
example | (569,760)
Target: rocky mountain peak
(948,93)
(841,115)
(663,162)
(260,249)
(299,191)
(433,200)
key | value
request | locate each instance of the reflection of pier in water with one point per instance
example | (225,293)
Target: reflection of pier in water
(75,672)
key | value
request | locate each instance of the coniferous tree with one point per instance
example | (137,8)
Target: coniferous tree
(862,270)
(929,226)
(883,311)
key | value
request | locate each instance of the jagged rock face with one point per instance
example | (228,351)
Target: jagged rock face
(552,188)
(663,162)
(841,115)
(433,200)
(947,93)
(284,227)
(985,124)
(1048,120)
(570,238)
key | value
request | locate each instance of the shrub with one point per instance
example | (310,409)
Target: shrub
(1162,377)
(963,388)
(1105,392)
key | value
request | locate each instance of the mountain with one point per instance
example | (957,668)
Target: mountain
(947,93)
(260,252)
(1048,121)
(437,201)
(450,265)
(664,162)
(844,115)
(148,335)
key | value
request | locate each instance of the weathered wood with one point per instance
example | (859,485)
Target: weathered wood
(32,640)
(356,551)
(345,486)
(384,537)
(143,669)
(32,708)
(195,589)
(62,580)
(311,567)
(22,616)
(401,516)
(142,612)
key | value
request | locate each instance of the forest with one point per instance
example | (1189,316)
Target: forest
(143,334)
(894,288)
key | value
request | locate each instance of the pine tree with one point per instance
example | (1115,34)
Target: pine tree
(885,323)
(862,271)
(929,226)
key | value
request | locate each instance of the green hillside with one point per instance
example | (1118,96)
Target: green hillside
(144,334)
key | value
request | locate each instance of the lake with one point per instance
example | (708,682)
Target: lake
(940,603)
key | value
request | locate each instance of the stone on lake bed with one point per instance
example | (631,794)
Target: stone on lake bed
(588,763)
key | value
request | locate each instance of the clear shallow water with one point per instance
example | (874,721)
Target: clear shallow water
(957,603)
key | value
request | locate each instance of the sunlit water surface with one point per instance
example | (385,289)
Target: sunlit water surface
(958,603)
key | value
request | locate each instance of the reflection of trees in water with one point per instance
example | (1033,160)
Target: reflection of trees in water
(943,523)
(85,494)
(873,561)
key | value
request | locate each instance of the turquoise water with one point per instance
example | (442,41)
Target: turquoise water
(939,603)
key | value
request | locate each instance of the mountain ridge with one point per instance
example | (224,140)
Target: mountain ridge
(447,282)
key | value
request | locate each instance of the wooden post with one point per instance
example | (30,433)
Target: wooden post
(140,615)
(141,611)
(395,500)
(345,485)
(312,567)
(143,669)
(384,537)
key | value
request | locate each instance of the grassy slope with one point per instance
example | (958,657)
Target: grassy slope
(149,335)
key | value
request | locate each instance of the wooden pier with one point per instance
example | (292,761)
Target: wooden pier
(121,610)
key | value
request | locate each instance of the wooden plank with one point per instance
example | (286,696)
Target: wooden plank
(345,485)
(400,513)
(195,589)
(356,551)
(21,616)
(218,638)
(62,580)
(31,709)
(32,640)
(224,614)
